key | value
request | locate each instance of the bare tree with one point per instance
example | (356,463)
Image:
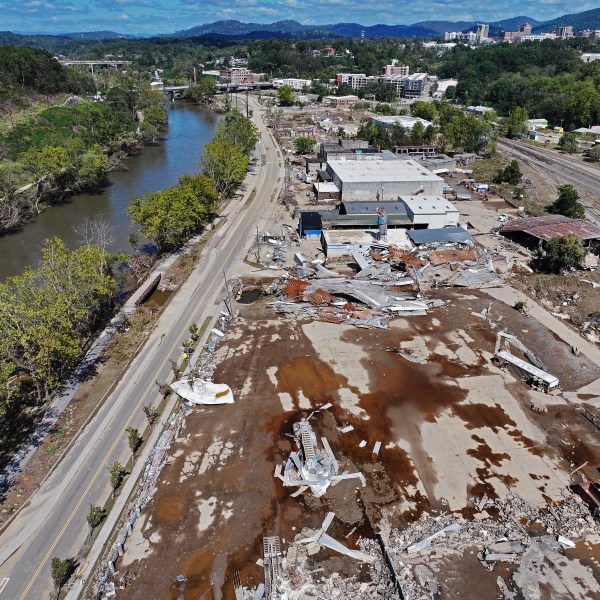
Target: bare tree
(97,231)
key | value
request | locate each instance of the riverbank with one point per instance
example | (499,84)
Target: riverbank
(70,147)
(157,167)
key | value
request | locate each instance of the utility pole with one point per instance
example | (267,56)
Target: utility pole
(257,246)
(247,111)
(227,295)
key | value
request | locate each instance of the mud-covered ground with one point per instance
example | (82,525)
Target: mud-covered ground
(453,426)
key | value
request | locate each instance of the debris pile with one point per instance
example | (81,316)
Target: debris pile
(311,466)
(361,303)
(504,538)
(304,576)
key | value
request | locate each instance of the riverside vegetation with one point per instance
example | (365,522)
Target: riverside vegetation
(61,150)
(49,314)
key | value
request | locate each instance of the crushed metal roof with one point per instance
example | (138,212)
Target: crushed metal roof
(551,226)
(456,235)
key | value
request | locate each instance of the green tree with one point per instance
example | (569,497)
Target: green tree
(567,203)
(515,123)
(204,92)
(194,332)
(235,128)
(156,115)
(466,132)
(424,110)
(559,254)
(42,162)
(225,163)
(48,313)
(450,92)
(568,143)
(61,570)
(383,108)
(116,471)
(285,95)
(95,516)
(171,216)
(134,440)
(92,168)
(303,144)
(511,174)
(595,153)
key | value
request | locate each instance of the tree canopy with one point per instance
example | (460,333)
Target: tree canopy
(303,144)
(48,313)
(171,216)
(567,203)
(559,254)
(235,128)
(285,96)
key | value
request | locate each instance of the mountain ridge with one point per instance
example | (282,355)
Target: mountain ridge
(232,29)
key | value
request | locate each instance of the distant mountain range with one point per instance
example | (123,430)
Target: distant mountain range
(237,30)
(293,29)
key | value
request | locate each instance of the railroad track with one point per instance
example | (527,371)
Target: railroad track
(560,169)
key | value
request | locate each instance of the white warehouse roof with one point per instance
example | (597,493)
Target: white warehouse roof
(427,205)
(402,121)
(375,171)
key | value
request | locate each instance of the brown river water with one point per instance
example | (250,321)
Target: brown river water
(157,167)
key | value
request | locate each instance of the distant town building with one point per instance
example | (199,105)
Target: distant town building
(440,48)
(480,109)
(340,101)
(395,70)
(564,32)
(239,75)
(592,34)
(537,123)
(483,31)
(509,36)
(294,83)
(536,37)
(470,37)
(590,57)
(407,86)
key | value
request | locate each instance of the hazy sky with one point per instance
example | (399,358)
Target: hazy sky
(164,16)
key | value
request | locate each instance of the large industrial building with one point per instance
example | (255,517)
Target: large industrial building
(382,179)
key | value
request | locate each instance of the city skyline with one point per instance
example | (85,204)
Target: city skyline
(167,16)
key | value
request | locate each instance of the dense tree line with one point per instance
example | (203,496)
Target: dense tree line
(47,315)
(170,217)
(547,79)
(69,148)
(25,69)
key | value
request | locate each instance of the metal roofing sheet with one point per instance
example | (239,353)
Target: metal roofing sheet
(456,235)
(548,227)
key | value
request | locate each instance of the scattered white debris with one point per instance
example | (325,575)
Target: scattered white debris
(199,391)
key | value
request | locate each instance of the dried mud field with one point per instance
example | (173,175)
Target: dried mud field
(452,427)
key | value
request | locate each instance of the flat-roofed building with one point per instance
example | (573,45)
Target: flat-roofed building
(382,179)
(430,212)
(340,101)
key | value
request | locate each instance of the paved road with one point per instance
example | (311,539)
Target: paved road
(559,167)
(54,524)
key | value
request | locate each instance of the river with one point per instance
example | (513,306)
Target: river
(157,167)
